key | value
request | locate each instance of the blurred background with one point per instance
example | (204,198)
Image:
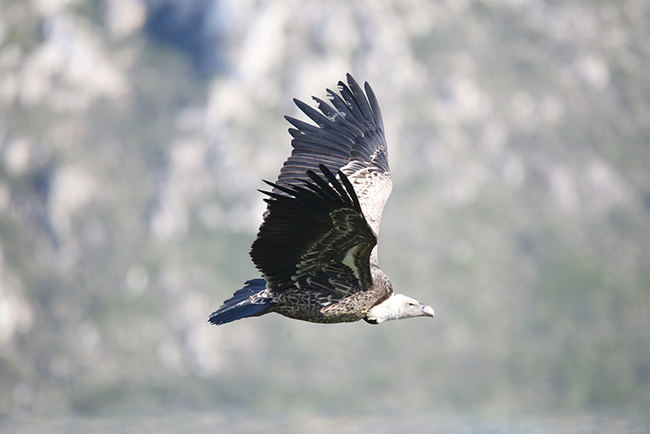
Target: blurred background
(133,135)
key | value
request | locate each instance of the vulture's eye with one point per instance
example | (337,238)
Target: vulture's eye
(412,305)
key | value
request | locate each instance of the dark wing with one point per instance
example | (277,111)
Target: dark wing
(315,237)
(348,136)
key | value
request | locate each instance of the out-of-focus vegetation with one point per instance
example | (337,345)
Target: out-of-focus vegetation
(133,136)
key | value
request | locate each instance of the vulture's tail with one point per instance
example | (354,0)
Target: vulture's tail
(252,300)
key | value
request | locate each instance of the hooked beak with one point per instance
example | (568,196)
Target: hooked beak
(427,310)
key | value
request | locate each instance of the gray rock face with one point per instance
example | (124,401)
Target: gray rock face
(518,136)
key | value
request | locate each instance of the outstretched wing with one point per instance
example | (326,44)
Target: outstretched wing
(348,136)
(315,237)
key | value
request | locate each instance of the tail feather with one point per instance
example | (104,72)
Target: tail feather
(248,301)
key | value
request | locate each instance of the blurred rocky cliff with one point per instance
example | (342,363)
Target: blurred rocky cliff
(133,135)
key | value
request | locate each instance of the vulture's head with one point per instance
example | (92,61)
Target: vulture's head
(397,306)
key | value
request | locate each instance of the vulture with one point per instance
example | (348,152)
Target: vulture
(316,248)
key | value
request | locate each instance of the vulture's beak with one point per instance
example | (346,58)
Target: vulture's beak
(427,310)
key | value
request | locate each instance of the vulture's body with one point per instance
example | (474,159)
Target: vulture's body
(317,246)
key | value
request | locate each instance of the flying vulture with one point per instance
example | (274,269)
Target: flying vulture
(317,246)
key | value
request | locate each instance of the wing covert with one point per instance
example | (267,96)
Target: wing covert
(314,236)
